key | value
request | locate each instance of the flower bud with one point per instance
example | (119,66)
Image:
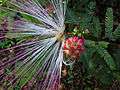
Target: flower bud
(73,47)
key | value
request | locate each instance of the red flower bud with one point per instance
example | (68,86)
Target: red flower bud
(73,47)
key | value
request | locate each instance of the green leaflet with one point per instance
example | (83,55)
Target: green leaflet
(109,23)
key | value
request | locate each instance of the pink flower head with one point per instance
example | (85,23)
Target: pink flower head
(74,46)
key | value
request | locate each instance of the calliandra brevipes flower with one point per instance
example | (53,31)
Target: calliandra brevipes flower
(73,48)
(38,57)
